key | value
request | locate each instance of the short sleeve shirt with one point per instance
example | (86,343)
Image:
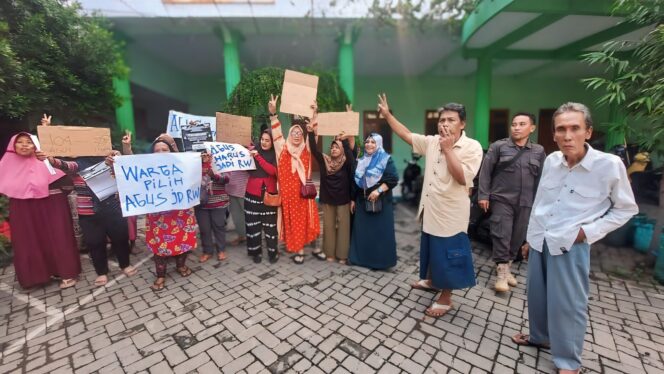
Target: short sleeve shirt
(445,205)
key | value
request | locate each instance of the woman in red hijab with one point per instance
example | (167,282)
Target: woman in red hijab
(41,225)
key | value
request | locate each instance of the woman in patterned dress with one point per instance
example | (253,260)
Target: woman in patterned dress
(300,221)
(172,233)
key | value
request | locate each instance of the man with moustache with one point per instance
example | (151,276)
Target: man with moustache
(452,161)
(583,195)
(507,184)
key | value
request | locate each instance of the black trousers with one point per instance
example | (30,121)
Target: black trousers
(509,226)
(260,218)
(96,228)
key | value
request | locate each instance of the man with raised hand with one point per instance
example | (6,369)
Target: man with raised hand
(583,195)
(452,161)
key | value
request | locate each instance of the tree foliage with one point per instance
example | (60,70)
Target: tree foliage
(250,96)
(635,83)
(52,59)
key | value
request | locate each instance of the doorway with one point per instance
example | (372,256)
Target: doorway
(374,122)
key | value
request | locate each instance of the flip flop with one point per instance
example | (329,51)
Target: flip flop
(101,280)
(524,339)
(158,285)
(184,271)
(438,310)
(319,255)
(204,258)
(298,259)
(221,256)
(66,283)
(423,285)
(130,271)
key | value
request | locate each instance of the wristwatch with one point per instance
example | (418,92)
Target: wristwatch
(380,189)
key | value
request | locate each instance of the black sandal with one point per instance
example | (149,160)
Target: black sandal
(298,259)
(319,255)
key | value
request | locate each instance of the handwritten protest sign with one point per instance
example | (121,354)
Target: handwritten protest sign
(74,141)
(194,135)
(98,177)
(229,157)
(233,129)
(298,93)
(334,123)
(177,119)
(158,182)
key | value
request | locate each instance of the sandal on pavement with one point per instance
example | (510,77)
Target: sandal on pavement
(130,271)
(273,259)
(258,259)
(221,256)
(319,255)
(438,310)
(423,285)
(343,262)
(66,283)
(298,259)
(204,258)
(158,284)
(101,280)
(184,271)
(524,339)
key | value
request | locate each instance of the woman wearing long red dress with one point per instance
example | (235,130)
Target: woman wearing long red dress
(300,222)
(40,219)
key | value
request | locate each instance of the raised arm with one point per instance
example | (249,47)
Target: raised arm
(398,127)
(126,144)
(312,145)
(277,134)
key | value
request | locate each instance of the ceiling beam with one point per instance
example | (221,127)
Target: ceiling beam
(565,7)
(578,47)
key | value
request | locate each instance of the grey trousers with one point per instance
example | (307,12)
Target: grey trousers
(336,230)
(237,213)
(212,223)
(558,302)
(509,225)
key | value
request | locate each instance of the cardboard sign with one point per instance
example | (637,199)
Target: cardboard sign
(158,182)
(229,157)
(100,180)
(298,93)
(334,123)
(178,119)
(233,129)
(194,135)
(74,141)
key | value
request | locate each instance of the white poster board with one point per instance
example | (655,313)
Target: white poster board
(229,157)
(177,119)
(158,182)
(100,180)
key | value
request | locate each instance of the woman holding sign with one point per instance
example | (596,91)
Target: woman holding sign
(373,244)
(171,233)
(301,224)
(41,223)
(335,189)
(261,201)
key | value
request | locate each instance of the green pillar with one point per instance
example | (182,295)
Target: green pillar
(615,136)
(346,64)
(231,60)
(124,114)
(482,101)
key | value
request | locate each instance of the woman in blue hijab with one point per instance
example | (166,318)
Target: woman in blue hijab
(373,244)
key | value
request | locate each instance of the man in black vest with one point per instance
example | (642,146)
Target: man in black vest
(508,181)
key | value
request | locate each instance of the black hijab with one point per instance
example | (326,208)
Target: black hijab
(269,156)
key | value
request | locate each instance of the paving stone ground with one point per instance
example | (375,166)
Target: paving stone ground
(322,317)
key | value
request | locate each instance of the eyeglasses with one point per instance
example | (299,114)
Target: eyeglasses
(297,133)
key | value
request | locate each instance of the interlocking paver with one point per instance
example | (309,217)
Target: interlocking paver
(320,317)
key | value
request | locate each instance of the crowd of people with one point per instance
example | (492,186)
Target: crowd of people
(548,209)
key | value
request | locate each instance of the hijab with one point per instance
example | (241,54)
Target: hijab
(296,151)
(24,177)
(370,167)
(268,155)
(166,139)
(334,164)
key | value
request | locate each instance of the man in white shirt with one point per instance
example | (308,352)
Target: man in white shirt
(583,195)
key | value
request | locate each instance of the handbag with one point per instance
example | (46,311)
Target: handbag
(372,206)
(308,189)
(271,199)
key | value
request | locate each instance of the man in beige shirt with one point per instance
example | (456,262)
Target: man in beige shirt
(452,161)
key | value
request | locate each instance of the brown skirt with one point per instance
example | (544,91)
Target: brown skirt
(43,240)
